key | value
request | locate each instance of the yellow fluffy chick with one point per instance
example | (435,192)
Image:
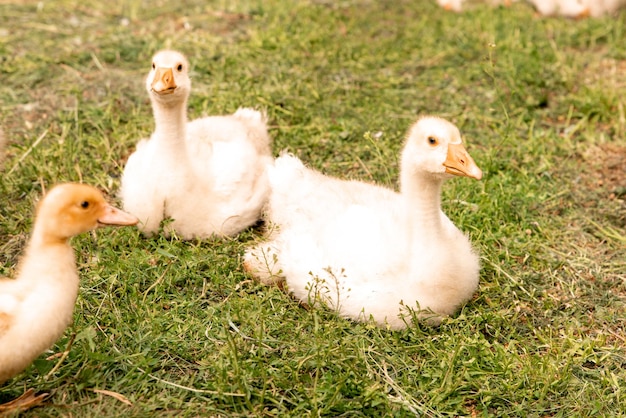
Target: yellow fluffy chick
(36,306)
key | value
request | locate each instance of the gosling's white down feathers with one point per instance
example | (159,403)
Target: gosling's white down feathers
(565,8)
(365,250)
(208,175)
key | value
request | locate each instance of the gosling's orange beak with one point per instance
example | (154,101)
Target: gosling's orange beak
(584,14)
(459,163)
(113,216)
(163,82)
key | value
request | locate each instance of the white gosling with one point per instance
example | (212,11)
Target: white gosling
(36,307)
(365,250)
(457,5)
(567,8)
(208,175)
(577,8)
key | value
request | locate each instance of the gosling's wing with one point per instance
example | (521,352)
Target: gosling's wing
(8,306)
(5,323)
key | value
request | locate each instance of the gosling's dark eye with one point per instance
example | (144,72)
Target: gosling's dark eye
(432,140)
(84,204)
(180,67)
(153,66)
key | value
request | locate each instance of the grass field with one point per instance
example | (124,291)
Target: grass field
(164,327)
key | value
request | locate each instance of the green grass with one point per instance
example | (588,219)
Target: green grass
(178,329)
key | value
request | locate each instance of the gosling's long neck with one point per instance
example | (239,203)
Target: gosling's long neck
(422,194)
(50,259)
(170,127)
